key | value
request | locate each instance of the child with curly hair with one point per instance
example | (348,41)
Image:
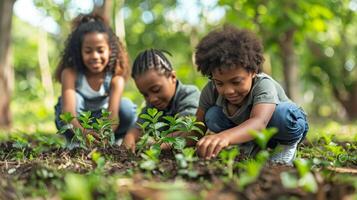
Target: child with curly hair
(92,71)
(157,82)
(240,98)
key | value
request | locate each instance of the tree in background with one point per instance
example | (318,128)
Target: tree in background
(282,25)
(332,57)
(6,74)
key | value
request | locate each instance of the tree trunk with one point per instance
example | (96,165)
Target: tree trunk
(119,24)
(6,73)
(46,78)
(347,99)
(290,68)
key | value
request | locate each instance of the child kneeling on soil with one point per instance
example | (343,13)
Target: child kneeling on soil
(240,98)
(157,82)
(92,71)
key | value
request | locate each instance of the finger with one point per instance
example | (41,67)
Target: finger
(204,147)
(218,148)
(132,148)
(211,147)
(199,150)
(95,135)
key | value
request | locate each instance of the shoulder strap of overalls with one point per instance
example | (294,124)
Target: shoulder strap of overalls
(107,80)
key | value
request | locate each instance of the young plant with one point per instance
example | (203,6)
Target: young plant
(99,162)
(306,180)
(250,169)
(157,132)
(150,158)
(185,162)
(227,157)
(262,137)
(95,130)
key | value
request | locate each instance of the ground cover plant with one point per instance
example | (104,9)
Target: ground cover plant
(41,165)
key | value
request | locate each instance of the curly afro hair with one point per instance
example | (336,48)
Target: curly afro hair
(229,47)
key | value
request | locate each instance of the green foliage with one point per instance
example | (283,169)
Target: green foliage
(227,157)
(306,181)
(99,161)
(251,168)
(100,129)
(262,137)
(93,186)
(185,162)
(157,132)
(150,158)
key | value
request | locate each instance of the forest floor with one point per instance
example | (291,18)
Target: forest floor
(33,166)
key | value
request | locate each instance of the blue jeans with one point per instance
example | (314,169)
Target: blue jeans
(288,118)
(127,115)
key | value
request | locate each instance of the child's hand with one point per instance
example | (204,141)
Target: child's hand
(209,146)
(129,142)
(165,146)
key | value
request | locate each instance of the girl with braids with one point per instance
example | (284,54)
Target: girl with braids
(240,98)
(93,70)
(157,82)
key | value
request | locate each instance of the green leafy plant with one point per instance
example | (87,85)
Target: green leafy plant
(262,137)
(100,129)
(251,168)
(157,132)
(306,180)
(185,162)
(99,161)
(227,157)
(150,158)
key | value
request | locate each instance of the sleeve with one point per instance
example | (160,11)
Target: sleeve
(265,92)
(207,98)
(188,103)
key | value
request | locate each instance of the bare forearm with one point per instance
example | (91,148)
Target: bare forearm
(115,121)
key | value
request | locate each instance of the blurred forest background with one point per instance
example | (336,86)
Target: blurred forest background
(310,48)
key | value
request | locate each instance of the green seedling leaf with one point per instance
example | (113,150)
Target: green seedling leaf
(144,125)
(308,183)
(262,138)
(148,165)
(303,166)
(152,111)
(159,125)
(307,180)
(193,138)
(171,120)
(179,143)
(66,117)
(169,140)
(105,113)
(147,117)
(181,161)
(288,180)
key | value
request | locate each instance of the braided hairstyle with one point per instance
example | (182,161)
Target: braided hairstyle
(151,59)
(72,57)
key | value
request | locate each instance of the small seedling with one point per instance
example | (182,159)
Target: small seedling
(262,137)
(227,157)
(251,169)
(95,131)
(185,162)
(306,180)
(155,131)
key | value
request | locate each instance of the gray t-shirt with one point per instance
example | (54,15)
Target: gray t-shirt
(264,90)
(184,102)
